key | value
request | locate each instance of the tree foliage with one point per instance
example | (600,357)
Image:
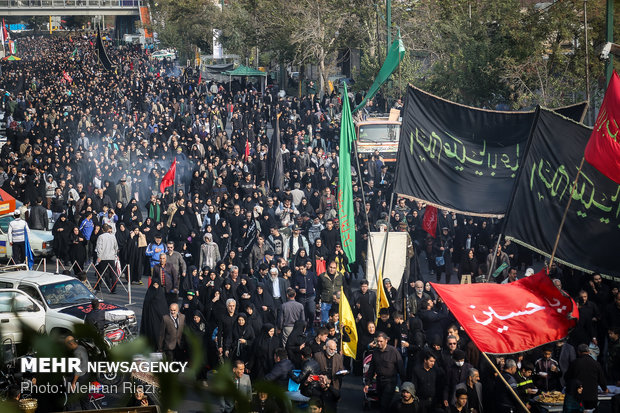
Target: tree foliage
(184,24)
(477,52)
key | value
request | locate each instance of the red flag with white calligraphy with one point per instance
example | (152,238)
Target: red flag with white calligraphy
(429,222)
(603,149)
(511,318)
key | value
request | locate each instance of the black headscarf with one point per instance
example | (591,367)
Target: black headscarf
(264,350)
(198,328)
(122,237)
(295,340)
(153,311)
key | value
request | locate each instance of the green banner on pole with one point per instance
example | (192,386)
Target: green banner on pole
(393,58)
(345,189)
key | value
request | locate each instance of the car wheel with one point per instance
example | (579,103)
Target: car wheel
(60,333)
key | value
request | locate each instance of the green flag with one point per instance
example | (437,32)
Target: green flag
(345,190)
(393,58)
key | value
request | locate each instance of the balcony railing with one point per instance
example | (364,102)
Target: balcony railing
(40,4)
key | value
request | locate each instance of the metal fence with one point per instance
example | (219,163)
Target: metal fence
(118,273)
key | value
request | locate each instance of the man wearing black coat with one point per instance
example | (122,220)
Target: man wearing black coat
(96,316)
(433,320)
(282,370)
(590,373)
(38,216)
(426,377)
(387,364)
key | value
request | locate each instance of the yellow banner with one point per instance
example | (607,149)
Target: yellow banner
(382,300)
(349,330)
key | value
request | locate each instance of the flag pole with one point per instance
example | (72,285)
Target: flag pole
(384,248)
(512,391)
(570,199)
(372,250)
(513,194)
(340,321)
(387,233)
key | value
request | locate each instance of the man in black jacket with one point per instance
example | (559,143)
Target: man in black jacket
(282,370)
(505,402)
(426,381)
(38,216)
(589,372)
(96,317)
(386,363)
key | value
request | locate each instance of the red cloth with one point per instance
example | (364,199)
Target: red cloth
(5,32)
(168,179)
(429,223)
(511,318)
(603,149)
(247,150)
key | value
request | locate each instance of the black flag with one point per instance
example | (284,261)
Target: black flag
(274,158)
(101,53)
(592,227)
(462,158)
(250,240)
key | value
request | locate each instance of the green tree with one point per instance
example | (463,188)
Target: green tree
(265,25)
(554,74)
(184,24)
(322,28)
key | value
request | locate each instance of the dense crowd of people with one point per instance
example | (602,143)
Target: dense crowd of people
(255,271)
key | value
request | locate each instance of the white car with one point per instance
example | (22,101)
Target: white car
(169,54)
(40,241)
(65,299)
(17,308)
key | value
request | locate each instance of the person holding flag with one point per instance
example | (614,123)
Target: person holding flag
(19,232)
(169,178)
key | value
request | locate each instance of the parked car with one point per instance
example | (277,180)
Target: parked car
(40,241)
(17,308)
(169,54)
(65,299)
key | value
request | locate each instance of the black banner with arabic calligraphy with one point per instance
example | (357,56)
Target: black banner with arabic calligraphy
(592,230)
(458,157)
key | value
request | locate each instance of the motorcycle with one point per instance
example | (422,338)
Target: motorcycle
(118,332)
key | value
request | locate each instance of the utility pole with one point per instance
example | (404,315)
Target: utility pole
(609,36)
(587,62)
(388,10)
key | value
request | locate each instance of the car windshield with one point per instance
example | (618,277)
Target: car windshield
(379,133)
(66,293)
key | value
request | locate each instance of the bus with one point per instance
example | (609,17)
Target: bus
(378,134)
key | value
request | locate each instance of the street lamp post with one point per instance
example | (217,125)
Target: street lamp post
(388,12)
(609,37)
